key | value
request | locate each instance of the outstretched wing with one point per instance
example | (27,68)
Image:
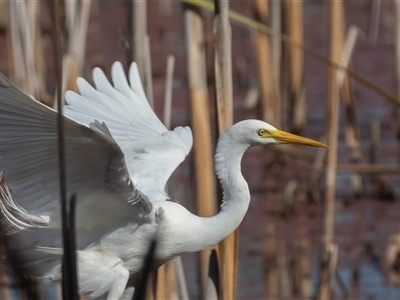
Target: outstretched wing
(96,172)
(151,151)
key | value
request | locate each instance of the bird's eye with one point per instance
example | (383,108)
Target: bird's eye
(261,132)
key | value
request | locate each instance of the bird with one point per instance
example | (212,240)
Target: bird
(119,157)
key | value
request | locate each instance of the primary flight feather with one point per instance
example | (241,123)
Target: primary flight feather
(119,157)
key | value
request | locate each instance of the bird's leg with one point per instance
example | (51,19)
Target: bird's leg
(128,294)
(119,281)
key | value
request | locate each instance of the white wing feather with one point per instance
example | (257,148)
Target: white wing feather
(96,173)
(151,151)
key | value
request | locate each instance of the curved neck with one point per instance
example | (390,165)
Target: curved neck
(236,192)
(228,158)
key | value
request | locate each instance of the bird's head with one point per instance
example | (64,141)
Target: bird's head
(255,132)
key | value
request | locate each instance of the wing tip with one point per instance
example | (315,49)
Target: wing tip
(117,69)
(81,82)
(117,64)
(96,72)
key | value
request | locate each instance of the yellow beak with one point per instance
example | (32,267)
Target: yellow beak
(289,138)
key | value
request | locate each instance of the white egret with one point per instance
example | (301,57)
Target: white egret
(119,157)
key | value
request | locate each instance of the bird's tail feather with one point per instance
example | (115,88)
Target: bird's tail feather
(39,261)
(15,216)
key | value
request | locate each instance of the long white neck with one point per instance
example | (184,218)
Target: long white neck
(236,194)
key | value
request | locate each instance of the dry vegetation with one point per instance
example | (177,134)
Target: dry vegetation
(277,28)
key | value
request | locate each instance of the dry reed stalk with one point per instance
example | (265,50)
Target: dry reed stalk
(23,22)
(223,67)
(264,64)
(351,131)
(169,78)
(165,284)
(203,158)
(183,291)
(70,73)
(368,168)
(69,265)
(348,49)
(336,50)
(223,85)
(179,283)
(294,19)
(276,55)
(270,263)
(172,284)
(10,39)
(77,16)
(139,19)
(336,44)
(147,69)
(161,290)
(352,140)
(142,56)
(28,18)
(78,13)
(40,66)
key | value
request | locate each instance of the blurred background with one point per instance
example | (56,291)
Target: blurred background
(316,217)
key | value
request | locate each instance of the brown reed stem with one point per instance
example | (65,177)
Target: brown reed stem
(347,93)
(169,77)
(203,158)
(336,50)
(264,64)
(228,248)
(147,69)
(294,20)
(139,32)
(69,276)
(276,61)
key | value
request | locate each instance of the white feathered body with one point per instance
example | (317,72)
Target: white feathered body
(119,157)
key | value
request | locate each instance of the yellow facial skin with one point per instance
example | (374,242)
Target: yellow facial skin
(283,137)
